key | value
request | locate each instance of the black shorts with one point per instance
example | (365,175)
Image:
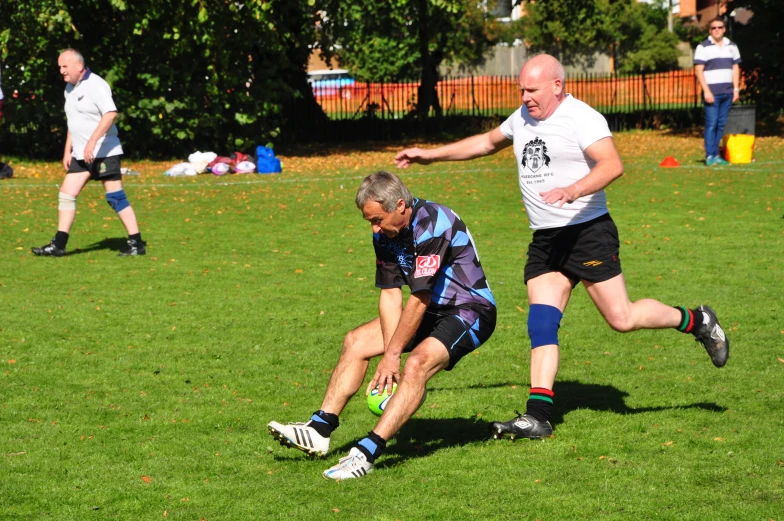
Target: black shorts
(102,169)
(452,331)
(585,251)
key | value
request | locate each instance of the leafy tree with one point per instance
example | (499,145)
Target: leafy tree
(28,30)
(404,39)
(633,33)
(639,36)
(209,74)
(761,45)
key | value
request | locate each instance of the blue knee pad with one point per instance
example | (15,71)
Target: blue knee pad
(117,200)
(543,324)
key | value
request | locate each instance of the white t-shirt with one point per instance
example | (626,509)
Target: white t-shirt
(85,104)
(550,154)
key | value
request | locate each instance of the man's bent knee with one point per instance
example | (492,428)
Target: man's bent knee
(355,346)
(416,367)
(543,324)
(426,360)
(621,324)
(66,202)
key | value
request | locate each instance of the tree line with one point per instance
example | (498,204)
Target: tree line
(229,74)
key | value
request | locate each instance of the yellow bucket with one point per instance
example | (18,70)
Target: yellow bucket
(739,148)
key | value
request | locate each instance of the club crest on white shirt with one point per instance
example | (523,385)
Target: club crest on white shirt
(535,155)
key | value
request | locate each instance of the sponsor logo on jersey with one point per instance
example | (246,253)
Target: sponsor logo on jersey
(427,266)
(535,155)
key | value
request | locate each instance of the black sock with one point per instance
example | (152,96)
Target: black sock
(60,239)
(372,446)
(324,423)
(691,320)
(135,237)
(540,403)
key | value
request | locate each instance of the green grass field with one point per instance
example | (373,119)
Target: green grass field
(140,388)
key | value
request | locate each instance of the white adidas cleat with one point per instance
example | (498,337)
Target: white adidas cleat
(300,436)
(355,465)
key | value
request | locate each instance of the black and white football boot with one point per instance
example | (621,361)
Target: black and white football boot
(49,250)
(712,337)
(524,426)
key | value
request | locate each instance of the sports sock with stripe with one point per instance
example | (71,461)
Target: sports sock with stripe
(372,446)
(691,319)
(540,403)
(324,423)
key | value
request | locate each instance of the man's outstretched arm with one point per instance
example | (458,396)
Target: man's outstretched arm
(463,150)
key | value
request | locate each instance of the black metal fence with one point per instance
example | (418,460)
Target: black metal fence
(496,95)
(386,110)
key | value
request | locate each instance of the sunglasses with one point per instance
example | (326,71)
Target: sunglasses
(717,28)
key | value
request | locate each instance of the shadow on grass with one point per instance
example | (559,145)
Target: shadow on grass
(571,395)
(421,436)
(113,244)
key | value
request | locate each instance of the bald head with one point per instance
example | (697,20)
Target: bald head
(545,67)
(541,83)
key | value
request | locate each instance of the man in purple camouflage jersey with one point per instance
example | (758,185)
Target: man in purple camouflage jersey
(451,312)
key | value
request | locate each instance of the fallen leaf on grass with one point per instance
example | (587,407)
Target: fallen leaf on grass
(146,479)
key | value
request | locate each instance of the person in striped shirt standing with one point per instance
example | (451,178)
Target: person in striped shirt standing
(716,67)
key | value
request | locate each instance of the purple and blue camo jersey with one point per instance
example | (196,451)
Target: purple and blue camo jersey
(436,253)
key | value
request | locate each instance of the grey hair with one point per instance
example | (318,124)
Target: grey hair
(77,55)
(384,188)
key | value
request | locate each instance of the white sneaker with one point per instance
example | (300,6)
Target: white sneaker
(355,465)
(300,436)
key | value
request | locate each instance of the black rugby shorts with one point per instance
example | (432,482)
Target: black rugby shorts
(454,333)
(102,169)
(586,251)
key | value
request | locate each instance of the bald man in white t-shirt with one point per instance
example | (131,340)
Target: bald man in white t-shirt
(92,151)
(565,159)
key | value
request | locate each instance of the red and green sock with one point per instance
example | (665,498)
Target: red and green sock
(691,319)
(540,403)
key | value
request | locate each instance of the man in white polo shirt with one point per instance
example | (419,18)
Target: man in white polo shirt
(565,159)
(92,151)
(716,67)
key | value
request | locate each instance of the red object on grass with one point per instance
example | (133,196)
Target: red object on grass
(669,162)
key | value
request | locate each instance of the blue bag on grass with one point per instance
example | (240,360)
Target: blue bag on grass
(266,162)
